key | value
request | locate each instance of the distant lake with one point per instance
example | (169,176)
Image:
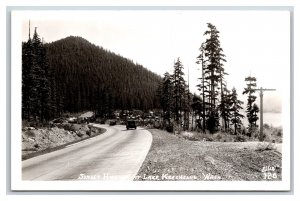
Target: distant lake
(273,119)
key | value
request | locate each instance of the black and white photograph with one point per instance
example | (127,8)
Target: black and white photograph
(175,99)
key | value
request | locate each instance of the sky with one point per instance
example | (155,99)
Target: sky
(255,43)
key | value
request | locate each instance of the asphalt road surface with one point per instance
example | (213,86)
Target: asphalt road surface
(115,155)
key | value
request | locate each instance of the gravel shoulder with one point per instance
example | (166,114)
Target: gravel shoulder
(175,158)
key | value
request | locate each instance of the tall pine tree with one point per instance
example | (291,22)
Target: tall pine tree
(214,74)
(251,111)
(27,59)
(178,91)
(165,94)
(36,100)
(235,109)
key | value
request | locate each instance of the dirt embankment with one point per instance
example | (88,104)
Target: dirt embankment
(36,141)
(175,158)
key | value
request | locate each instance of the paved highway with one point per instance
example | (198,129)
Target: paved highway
(115,155)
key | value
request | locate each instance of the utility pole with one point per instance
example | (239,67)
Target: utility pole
(261,96)
(188,118)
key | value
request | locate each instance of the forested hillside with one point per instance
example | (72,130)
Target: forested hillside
(89,77)
(81,76)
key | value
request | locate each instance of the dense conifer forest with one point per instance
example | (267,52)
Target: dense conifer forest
(75,75)
(93,77)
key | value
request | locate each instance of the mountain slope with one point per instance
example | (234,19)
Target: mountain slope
(88,77)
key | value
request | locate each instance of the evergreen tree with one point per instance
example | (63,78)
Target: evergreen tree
(27,59)
(235,109)
(250,90)
(178,91)
(214,74)
(37,97)
(46,107)
(213,84)
(165,94)
(36,77)
(40,89)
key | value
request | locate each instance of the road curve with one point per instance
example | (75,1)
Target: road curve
(115,155)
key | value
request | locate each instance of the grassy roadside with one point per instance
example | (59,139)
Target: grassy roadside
(51,149)
(175,158)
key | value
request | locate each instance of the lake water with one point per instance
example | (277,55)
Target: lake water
(273,119)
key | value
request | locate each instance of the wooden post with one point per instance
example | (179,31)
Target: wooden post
(261,126)
(261,129)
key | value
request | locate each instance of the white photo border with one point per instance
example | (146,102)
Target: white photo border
(18,185)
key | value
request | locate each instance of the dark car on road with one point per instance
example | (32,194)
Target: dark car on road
(112,122)
(130,124)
